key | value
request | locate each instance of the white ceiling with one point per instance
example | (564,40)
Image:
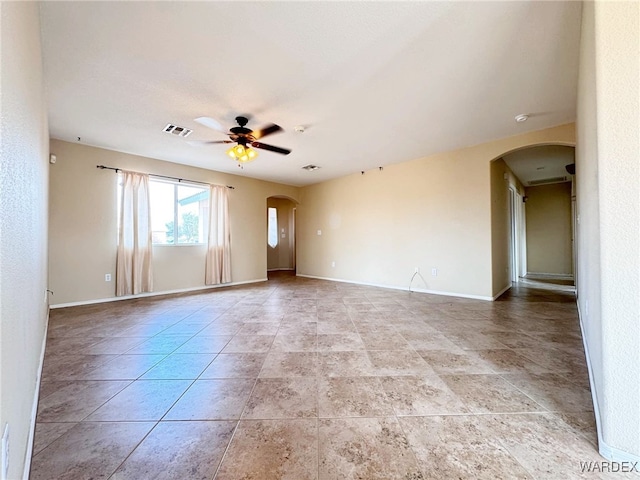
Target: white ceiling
(375,83)
(545,162)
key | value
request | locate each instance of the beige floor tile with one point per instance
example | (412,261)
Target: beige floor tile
(463,362)
(46,433)
(359,448)
(543,444)
(285,449)
(178,450)
(345,364)
(490,394)
(552,391)
(125,367)
(235,365)
(290,364)
(179,366)
(283,398)
(422,395)
(449,447)
(249,344)
(142,400)
(352,397)
(160,344)
(204,344)
(74,401)
(88,450)
(398,362)
(339,342)
(220,399)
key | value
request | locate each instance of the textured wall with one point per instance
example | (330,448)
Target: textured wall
(617,33)
(23,223)
(608,195)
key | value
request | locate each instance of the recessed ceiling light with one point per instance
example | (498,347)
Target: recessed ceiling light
(311,167)
(299,128)
(521,118)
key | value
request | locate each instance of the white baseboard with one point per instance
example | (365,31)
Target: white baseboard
(497,295)
(154,294)
(34,406)
(610,453)
(559,276)
(394,287)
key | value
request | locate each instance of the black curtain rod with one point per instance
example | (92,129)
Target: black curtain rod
(115,169)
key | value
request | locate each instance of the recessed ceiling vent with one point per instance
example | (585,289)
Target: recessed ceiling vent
(176,130)
(311,168)
(545,181)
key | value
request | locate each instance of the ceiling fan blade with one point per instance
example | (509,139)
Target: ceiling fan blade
(266,130)
(198,143)
(211,123)
(271,148)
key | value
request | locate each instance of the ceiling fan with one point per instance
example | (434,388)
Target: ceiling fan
(244,138)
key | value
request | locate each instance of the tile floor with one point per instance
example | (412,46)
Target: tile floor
(303,379)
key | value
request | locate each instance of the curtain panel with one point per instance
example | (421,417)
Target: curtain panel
(218,263)
(133,268)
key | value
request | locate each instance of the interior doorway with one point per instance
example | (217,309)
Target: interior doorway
(533,215)
(281,235)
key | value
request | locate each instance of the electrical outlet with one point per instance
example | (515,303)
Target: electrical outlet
(417,270)
(5,453)
(107,277)
(434,272)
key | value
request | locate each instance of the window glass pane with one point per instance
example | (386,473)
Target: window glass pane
(161,197)
(273,227)
(193,213)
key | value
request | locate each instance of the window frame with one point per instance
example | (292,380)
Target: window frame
(176,205)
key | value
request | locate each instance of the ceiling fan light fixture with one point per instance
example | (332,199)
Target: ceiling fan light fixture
(242,154)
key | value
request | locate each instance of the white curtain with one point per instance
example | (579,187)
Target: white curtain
(218,264)
(133,268)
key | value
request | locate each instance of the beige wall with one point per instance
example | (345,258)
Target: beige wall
(501,178)
(608,194)
(82,246)
(434,212)
(23,226)
(549,248)
(282,256)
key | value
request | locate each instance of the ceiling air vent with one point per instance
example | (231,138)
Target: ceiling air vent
(311,168)
(176,130)
(544,181)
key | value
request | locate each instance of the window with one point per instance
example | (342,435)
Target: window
(272,238)
(179,213)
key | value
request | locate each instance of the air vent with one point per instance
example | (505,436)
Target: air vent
(311,168)
(544,181)
(176,130)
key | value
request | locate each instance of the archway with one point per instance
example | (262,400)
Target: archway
(533,215)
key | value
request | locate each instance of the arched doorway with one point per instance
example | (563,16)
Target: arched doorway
(533,215)
(281,235)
